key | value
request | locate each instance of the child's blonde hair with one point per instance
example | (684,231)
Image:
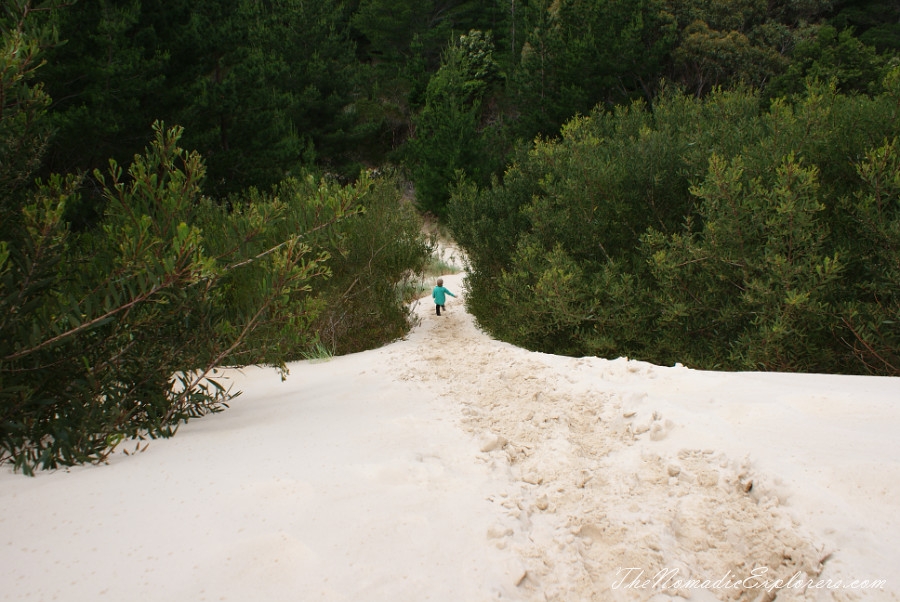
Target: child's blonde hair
(440,282)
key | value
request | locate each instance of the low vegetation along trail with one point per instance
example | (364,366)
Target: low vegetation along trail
(593,504)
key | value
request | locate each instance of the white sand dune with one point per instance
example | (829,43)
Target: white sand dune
(451,467)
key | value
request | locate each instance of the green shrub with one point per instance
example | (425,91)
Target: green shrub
(375,255)
(113,332)
(706,231)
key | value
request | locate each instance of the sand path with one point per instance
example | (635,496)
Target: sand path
(588,491)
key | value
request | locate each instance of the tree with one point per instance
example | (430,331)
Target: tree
(877,23)
(265,89)
(23,102)
(751,288)
(449,137)
(113,328)
(578,54)
(707,59)
(281,96)
(377,259)
(109,81)
(829,55)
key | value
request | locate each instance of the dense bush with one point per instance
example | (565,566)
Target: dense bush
(114,329)
(375,256)
(112,332)
(708,232)
(115,332)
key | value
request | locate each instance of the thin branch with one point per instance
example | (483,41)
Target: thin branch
(90,323)
(867,345)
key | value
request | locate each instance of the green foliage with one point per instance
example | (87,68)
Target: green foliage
(116,332)
(265,89)
(577,54)
(877,22)
(448,137)
(675,226)
(870,319)
(22,104)
(403,42)
(373,256)
(708,58)
(108,82)
(707,232)
(113,333)
(276,91)
(829,55)
(392,28)
(438,266)
(752,284)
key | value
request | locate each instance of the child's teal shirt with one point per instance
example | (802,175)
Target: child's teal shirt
(438,294)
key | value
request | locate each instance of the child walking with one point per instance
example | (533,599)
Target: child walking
(439,293)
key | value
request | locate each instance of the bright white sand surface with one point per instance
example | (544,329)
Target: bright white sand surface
(451,467)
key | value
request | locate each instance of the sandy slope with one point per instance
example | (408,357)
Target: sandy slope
(452,467)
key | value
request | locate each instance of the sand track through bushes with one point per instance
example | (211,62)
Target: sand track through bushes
(582,502)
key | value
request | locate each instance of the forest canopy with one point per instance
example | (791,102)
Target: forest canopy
(266,89)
